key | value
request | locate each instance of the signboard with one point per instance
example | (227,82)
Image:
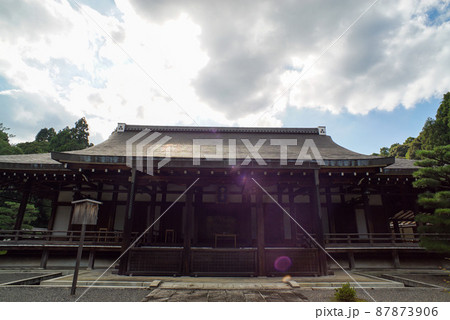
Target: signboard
(85,211)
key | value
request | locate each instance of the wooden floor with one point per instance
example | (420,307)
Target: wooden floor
(187,295)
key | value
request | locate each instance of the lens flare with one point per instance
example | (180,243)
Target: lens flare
(282,263)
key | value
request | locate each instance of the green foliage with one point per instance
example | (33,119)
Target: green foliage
(435,132)
(384,152)
(5,146)
(75,138)
(345,294)
(4,136)
(8,214)
(47,140)
(434,178)
(44,210)
(399,150)
(396,150)
(34,147)
(45,135)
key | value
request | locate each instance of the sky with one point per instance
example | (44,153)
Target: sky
(371,71)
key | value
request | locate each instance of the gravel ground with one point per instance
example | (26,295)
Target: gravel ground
(47,294)
(9,277)
(385,295)
(52,294)
(439,280)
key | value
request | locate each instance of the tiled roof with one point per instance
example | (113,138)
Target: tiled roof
(29,161)
(181,141)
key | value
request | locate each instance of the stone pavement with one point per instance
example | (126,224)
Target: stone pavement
(112,287)
(202,295)
(91,277)
(223,289)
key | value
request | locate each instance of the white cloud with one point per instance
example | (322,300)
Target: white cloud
(394,55)
(223,62)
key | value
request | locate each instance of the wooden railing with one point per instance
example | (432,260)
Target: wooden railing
(8,237)
(379,239)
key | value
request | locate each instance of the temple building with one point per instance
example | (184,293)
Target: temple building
(219,201)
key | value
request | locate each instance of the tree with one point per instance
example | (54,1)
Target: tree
(45,134)
(434,178)
(400,150)
(435,132)
(34,147)
(384,152)
(8,214)
(46,140)
(75,138)
(5,146)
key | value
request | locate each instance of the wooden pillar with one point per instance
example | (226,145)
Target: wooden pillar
(51,221)
(396,259)
(293,214)
(367,213)
(76,196)
(317,223)
(91,260)
(44,258)
(280,189)
(342,194)
(163,207)
(151,213)
(198,201)
(331,222)
(260,234)
(187,232)
(351,260)
(23,206)
(128,223)
(99,191)
(113,210)
(247,209)
(78,261)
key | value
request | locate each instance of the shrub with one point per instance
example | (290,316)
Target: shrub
(345,294)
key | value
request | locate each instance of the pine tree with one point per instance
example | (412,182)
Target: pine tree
(8,214)
(434,178)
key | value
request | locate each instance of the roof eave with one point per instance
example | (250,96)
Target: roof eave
(187,162)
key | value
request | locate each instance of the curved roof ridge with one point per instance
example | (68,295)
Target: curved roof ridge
(218,129)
